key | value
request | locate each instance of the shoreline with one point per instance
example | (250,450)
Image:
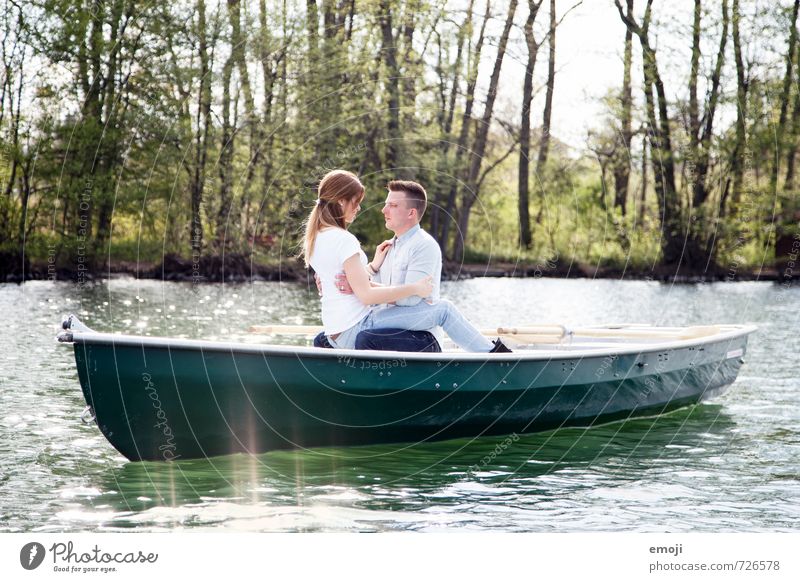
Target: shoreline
(239,271)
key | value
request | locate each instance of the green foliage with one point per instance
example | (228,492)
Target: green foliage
(117,133)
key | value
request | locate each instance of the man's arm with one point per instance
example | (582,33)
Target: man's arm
(369,295)
(422,262)
(343,285)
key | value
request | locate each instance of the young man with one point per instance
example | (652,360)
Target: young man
(413,255)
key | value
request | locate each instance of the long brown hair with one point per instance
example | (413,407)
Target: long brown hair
(336,186)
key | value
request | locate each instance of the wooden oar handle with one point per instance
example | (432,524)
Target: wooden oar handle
(548,330)
(558,330)
(541,334)
(523,333)
(286,329)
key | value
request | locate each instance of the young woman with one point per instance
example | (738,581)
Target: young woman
(330,249)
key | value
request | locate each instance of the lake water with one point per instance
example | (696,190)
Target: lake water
(729,465)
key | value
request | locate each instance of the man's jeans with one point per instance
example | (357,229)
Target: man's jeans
(420,317)
(397,340)
(321,341)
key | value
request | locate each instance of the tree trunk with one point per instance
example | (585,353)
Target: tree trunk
(225,157)
(463,136)
(447,116)
(389,52)
(737,161)
(351,13)
(784,101)
(662,157)
(332,77)
(622,167)
(544,143)
(643,193)
(523,176)
(16,117)
(269,70)
(699,250)
(412,10)
(478,150)
(446,120)
(202,124)
(109,159)
(312,26)
(238,54)
(25,197)
(794,132)
(16,154)
(702,140)
(694,71)
(92,118)
(284,67)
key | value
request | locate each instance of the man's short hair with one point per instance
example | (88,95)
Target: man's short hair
(415,194)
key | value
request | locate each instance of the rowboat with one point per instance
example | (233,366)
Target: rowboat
(164,399)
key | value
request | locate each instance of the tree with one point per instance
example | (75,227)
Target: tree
(784,100)
(466,123)
(737,162)
(525,127)
(13,52)
(700,134)
(445,118)
(547,112)
(389,54)
(662,157)
(474,178)
(622,162)
(202,134)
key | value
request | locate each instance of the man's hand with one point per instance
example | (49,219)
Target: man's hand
(343,284)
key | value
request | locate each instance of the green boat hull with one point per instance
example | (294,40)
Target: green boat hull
(162,400)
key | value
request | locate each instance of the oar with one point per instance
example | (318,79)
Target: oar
(538,333)
(632,331)
(648,332)
(550,329)
(530,334)
(285,329)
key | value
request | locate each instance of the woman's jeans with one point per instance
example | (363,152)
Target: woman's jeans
(422,316)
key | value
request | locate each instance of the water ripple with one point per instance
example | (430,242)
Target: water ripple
(732,465)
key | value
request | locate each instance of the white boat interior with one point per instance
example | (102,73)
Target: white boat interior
(559,338)
(604,337)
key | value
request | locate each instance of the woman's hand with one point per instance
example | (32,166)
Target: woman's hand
(380,254)
(424,287)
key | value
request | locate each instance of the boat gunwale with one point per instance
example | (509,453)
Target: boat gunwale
(115,339)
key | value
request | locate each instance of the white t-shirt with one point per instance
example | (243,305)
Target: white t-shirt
(331,249)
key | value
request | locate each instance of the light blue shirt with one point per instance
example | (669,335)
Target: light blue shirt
(413,256)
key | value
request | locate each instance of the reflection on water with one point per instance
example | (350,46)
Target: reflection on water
(627,447)
(730,465)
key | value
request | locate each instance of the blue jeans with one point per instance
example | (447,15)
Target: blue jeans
(321,341)
(397,340)
(420,317)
